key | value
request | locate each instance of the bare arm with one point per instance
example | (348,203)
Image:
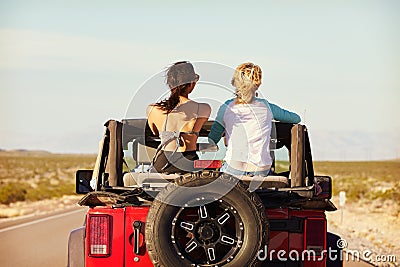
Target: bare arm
(150,112)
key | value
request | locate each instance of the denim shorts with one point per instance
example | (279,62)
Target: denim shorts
(229,170)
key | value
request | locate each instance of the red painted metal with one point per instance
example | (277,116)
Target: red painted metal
(207,164)
(131,259)
(278,240)
(123,233)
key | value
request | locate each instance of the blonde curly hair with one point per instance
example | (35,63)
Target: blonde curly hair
(246,79)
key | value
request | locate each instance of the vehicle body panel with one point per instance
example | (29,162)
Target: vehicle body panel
(116,257)
(131,258)
(122,247)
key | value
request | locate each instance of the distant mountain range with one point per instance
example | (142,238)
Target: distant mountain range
(24,152)
(325,145)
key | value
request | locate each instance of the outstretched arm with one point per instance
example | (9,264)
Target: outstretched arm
(284,115)
(218,127)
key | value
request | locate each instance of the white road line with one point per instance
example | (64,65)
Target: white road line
(39,221)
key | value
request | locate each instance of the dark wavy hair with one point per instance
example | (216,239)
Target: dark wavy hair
(179,76)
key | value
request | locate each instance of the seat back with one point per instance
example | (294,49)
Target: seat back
(142,179)
(143,154)
(161,180)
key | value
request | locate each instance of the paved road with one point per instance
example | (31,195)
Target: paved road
(40,242)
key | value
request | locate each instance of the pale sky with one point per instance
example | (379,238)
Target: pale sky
(66,67)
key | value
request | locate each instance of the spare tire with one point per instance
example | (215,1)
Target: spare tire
(206,219)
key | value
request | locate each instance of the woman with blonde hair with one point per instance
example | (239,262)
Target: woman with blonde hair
(247,123)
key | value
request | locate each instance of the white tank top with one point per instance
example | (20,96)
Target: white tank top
(248,133)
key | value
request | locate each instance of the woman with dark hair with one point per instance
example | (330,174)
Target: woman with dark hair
(178,120)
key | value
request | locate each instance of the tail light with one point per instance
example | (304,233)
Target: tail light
(207,164)
(99,235)
(315,235)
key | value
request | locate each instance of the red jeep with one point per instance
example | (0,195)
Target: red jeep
(205,218)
